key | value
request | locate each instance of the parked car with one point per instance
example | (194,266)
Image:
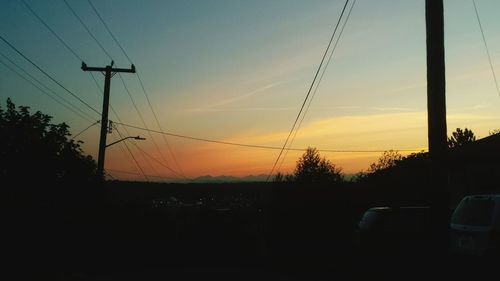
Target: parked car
(395,230)
(475,226)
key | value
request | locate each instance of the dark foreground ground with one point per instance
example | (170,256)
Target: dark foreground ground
(215,236)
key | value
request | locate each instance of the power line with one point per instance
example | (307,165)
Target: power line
(70,106)
(102,48)
(143,89)
(48,75)
(118,118)
(317,84)
(133,157)
(159,126)
(161,131)
(51,30)
(109,56)
(99,89)
(486,47)
(67,47)
(156,160)
(137,174)
(109,175)
(261,146)
(143,122)
(148,161)
(87,29)
(76,55)
(308,92)
(123,150)
(108,72)
(144,156)
(132,100)
(109,31)
(82,131)
(72,51)
(45,93)
(141,118)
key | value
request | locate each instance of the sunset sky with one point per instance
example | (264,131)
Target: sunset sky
(238,71)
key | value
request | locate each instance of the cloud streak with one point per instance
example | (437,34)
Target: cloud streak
(241,109)
(213,106)
(345,127)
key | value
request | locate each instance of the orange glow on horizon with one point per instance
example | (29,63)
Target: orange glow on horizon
(342,133)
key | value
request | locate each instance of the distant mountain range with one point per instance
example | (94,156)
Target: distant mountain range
(222,179)
(251,178)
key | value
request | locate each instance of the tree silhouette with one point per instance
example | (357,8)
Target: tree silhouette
(32,149)
(388,159)
(461,137)
(311,168)
(393,168)
(494,132)
(283,178)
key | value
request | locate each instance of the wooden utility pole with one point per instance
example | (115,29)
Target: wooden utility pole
(108,72)
(436,103)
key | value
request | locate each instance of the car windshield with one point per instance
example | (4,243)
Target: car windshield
(474,211)
(404,219)
(380,220)
(369,219)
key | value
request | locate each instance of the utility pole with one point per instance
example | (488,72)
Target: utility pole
(108,72)
(436,114)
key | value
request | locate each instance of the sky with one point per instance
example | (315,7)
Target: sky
(238,71)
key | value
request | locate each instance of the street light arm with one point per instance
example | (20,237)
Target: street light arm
(137,138)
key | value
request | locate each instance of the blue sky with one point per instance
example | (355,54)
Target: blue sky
(239,70)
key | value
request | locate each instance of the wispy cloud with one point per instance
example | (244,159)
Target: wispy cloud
(420,85)
(288,108)
(342,129)
(213,106)
(347,107)
(402,109)
(236,109)
(469,117)
(472,107)
(398,130)
(384,131)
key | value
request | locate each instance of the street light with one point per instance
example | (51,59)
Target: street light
(100,172)
(136,138)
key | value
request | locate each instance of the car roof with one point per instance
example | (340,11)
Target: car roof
(388,208)
(483,196)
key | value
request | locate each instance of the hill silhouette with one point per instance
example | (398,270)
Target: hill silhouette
(227,179)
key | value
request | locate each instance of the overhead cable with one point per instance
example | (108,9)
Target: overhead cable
(48,75)
(317,85)
(142,86)
(308,92)
(262,146)
(45,92)
(133,157)
(87,29)
(82,131)
(51,30)
(486,47)
(69,105)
